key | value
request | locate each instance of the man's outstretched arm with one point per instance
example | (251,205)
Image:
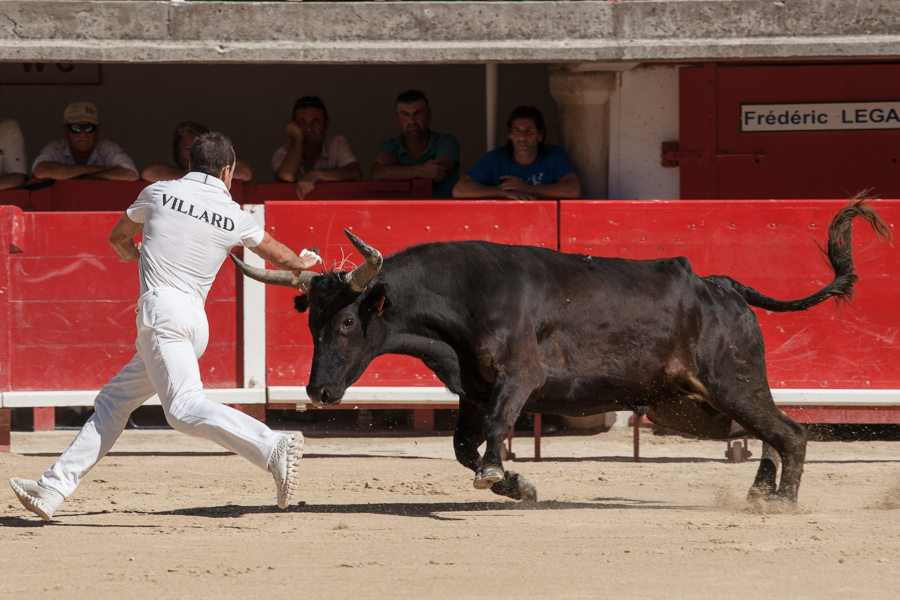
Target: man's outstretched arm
(282,257)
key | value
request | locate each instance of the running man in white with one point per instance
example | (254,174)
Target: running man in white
(189,225)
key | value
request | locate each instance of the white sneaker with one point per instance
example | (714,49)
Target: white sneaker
(40,500)
(284,466)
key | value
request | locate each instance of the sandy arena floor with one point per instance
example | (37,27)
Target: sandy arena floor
(167,516)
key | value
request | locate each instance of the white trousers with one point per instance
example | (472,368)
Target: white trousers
(172,335)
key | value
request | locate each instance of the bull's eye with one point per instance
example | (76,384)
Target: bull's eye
(348,323)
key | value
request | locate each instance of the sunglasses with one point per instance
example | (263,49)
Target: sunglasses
(76,128)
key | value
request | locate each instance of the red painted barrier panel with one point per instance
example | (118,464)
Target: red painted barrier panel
(870,415)
(20,198)
(11,243)
(389,226)
(71,308)
(416,189)
(770,246)
(88,196)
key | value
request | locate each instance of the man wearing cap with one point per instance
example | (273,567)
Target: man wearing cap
(80,155)
(309,155)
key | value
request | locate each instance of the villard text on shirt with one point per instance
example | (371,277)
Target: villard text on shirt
(212,218)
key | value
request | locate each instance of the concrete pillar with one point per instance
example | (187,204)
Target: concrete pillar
(583,98)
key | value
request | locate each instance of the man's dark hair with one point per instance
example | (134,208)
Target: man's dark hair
(310,102)
(211,153)
(411,96)
(535,116)
(186,128)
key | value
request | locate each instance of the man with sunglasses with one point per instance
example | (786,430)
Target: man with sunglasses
(80,155)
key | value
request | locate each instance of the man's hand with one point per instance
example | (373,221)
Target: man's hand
(131,256)
(308,259)
(510,183)
(515,189)
(304,187)
(432,169)
(293,131)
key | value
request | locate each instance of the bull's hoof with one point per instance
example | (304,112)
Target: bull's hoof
(775,504)
(760,492)
(780,502)
(487,477)
(516,487)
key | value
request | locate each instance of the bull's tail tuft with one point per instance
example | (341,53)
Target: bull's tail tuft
(840,256)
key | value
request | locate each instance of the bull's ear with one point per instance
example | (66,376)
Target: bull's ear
(376,302)
(301,303)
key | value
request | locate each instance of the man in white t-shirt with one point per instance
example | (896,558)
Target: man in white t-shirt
(189,225)
(80,155)
(13,165)
(310,155)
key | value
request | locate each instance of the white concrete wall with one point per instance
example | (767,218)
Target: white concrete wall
(643,114)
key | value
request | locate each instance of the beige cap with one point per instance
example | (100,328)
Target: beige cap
(81,111)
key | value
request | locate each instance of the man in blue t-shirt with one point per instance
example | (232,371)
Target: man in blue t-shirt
(418,153)
(525,169)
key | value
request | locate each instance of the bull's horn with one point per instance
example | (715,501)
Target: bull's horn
(366,272)
(282,278)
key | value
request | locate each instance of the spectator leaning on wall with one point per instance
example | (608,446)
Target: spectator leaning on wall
(80,155)
(525,168)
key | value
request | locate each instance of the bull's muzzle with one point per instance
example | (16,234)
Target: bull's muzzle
(323,396)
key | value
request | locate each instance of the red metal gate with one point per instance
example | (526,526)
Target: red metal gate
(719,160)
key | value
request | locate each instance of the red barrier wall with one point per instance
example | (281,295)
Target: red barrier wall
(416,189)
(68,303)
(770,246)
(89,195)
(11,243)
(388,226)
(71,324)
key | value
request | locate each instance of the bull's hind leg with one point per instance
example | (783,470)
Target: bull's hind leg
(765,483)
(758,414)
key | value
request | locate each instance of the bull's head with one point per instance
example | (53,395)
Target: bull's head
(339,317)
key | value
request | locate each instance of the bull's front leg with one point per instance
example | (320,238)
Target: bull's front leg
(506,402)
(469,434)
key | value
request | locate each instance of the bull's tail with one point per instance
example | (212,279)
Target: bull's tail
(840,256)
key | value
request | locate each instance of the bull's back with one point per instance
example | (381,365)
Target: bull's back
(597,322)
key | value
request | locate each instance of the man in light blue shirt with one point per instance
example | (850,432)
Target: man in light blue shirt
(525,169)
(418,152)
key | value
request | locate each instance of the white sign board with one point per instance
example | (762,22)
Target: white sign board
(820,117)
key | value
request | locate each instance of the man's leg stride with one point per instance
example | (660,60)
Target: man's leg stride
(114,404)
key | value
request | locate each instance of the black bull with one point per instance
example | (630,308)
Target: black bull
(512,328)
